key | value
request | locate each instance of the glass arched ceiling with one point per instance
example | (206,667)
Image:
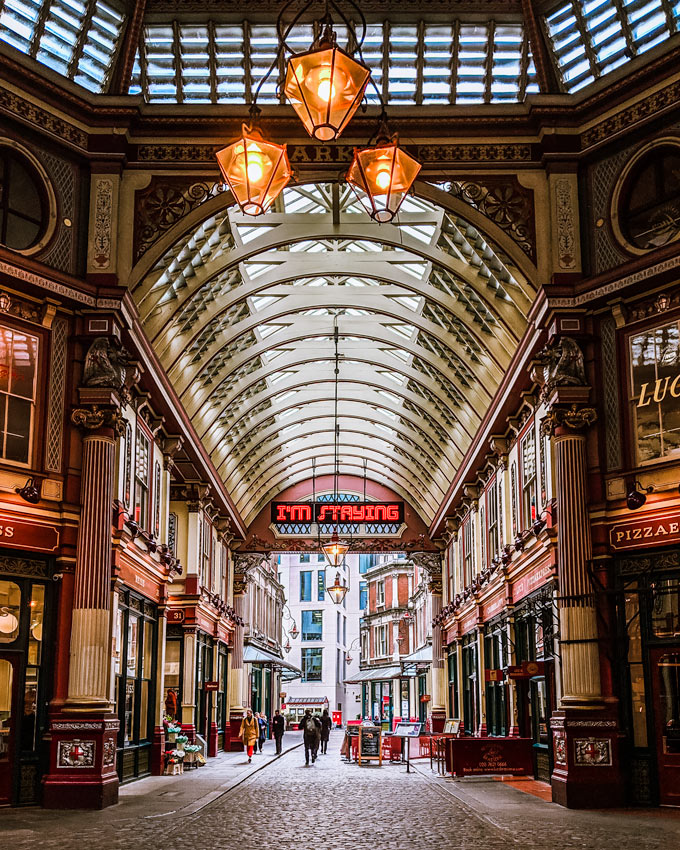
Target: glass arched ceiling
(241,312)
(211,56)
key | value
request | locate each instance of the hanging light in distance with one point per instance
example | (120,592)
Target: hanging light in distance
(294,632)
(325,86)
(255,170)
(337,590)
(287,645)
(335,550)
(381,176)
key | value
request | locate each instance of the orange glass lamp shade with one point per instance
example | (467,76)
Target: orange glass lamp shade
(255,170)
(335,550)
(337,591)
(381,177)
(325,87)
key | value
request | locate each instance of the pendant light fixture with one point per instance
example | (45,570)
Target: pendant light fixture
(382,175)
(255,169)
(335,549)
(325,85)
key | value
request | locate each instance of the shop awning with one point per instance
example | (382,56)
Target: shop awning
(419,660)
(374,674)
(307,700)
(255,655)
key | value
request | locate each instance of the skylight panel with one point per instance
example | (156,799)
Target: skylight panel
(372,53)
(263,47)
(18,21)
(195,48)
(436,86)
(160,64)
(472,57)
(230,83)
(403,59)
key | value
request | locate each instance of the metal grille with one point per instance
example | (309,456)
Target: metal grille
(55,418)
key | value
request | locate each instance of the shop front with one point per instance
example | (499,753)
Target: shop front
(649,629)
(26,643)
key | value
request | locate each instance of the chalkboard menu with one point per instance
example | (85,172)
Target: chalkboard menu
(369,744)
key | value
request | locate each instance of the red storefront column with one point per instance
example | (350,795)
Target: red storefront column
(431,564)
(587,769)
(82,771)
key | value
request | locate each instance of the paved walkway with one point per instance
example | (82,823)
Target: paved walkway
(279,804)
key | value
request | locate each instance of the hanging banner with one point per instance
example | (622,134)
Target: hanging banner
(324,513)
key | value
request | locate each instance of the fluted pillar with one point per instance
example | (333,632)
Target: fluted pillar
(431,564)
(89,663)
(580,662)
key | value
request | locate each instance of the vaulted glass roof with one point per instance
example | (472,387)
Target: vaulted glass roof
(241,313)
(186,54)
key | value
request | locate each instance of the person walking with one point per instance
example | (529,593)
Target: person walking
(249,733)
(311,735)
(262,736)
(278,726)
(326,726)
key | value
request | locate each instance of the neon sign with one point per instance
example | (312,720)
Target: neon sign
(365,513)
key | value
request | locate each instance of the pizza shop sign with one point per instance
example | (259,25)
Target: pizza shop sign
(641,533)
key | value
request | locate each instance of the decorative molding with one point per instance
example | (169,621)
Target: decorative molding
(55,405)
(593,752)
(109,752)
(610,379)
(76,753)
(14,306)
(103,224)
(23,567)
(506,203)
(576,418)
(94,417)
(566,230)
(50,285)
(631,115)
(20,108)
(560,745)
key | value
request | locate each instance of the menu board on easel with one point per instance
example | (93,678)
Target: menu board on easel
(370,744)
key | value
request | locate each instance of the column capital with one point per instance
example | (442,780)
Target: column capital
(92,417)
(575,417)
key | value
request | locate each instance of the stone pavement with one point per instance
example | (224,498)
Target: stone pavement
(279,804)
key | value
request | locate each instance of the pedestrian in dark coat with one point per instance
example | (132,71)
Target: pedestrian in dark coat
(262,737)
(326,726)
(278,726)
(311,735)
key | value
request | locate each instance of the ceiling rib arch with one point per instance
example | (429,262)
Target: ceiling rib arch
(241,313)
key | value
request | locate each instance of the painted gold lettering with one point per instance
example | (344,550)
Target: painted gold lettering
(674,527)
(675,387)
(642,403)
(619,536)
(648,530)
(637,534)
(9,531)
(660,396)
(322,153)
(661,531)
(300,154)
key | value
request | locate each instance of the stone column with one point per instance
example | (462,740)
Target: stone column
(585,739)
(188,709)
(431,564)
(83,749)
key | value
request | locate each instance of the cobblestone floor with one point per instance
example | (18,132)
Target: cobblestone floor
(334,806)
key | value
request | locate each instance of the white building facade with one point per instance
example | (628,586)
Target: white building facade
(323,636)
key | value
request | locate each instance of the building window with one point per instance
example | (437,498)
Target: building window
(206,553)
(23,205)
(344,631)
(304,559)
(492,534)
(655,386)
(649,197)
(381,634)
(306,586)
(363,595)
(312,625)
(18,372)
(312,660)
(143,450)
(528,450)
(321,585)
(468,550)
(380,593)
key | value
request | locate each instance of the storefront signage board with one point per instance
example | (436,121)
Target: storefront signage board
(643,532)
(370,738)
(530,582)
(407,730)
(175,615)
(479,756)
(211,686)
(366,513)
(19,534)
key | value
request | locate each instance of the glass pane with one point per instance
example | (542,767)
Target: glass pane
(312,625)
(669,701)
(144,710)
(6,682)
(172,655)
(18,429)
(35,636)
(129,721)
(133,639)
(10,611)
(147,662)
(29,718)
(666,608)
(117,641)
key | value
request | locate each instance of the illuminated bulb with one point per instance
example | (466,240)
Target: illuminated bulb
(325,90)
(383,179)
(255,169)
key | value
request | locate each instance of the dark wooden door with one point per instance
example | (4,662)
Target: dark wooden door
(665,671)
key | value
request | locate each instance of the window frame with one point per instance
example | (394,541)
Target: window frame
(39,397)
(144,518)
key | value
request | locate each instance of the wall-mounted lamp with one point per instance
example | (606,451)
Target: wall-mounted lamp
(636,495)
(30,492)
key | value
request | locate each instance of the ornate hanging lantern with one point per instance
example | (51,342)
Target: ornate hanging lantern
(335,550)
(337,590)
(287,647)
(255,170)
(325,86)
(381,176)
(294,632)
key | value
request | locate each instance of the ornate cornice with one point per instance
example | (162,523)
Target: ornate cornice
(94,417)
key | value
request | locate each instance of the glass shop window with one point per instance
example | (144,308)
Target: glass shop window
(173,650)
(18,373)
(529,501)
(636,669)
(669,701)
(321,585)
(142,454)
(655,392)
(312,625)
(666,608)
(134,639)
(10,611)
